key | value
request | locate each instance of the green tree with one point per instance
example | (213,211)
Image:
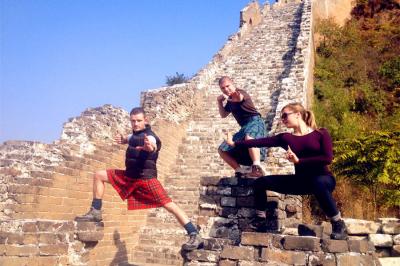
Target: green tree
(373,162)
(176,79)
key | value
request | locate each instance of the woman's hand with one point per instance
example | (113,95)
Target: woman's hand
(291,156)
(229,139)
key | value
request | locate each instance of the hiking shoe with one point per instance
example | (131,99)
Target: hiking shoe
(339,231)
(93,215)
(239,175)
(257,171)
(195,241)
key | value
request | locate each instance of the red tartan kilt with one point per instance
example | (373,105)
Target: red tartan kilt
(139,193)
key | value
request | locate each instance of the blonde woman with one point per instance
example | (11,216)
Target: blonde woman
(310,149)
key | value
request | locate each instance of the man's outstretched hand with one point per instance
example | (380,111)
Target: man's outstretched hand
(147,146)
(120,139)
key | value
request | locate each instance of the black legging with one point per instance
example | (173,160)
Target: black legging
(321,186)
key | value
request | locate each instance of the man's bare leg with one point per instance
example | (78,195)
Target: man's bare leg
(228,159)
(99,178)
(195,241)
(94,214)
(256,169)
(253,152)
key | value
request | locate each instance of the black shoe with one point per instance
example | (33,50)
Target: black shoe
(339,231)
(93,215)
(194,242)
(239,175)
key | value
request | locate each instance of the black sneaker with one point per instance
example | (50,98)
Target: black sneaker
(239,175)
(195,241)
(339,231)
(93,215)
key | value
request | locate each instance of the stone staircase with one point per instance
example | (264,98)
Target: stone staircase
(258,63)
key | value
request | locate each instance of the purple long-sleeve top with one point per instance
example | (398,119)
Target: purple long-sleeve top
(314,150)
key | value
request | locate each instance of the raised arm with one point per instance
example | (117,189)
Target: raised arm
(275,141)
(121,139)
(220,101)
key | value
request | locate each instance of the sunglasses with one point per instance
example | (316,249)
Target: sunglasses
(284,116)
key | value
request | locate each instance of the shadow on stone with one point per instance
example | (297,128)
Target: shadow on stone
(121,257)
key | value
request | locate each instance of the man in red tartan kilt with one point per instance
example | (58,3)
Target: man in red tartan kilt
(138,183)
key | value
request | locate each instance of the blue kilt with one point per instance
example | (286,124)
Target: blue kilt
(254,128)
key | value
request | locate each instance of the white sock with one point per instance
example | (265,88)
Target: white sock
(239,169)
(336,218)
(257,162)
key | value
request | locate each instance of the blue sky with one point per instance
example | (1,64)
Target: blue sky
(59,57)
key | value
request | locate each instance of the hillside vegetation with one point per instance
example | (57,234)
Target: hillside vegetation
(357,97)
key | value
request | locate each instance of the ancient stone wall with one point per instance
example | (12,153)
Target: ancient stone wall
(45,186)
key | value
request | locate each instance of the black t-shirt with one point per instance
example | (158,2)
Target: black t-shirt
(242,110)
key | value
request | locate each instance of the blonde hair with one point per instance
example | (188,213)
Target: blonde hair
(306,115)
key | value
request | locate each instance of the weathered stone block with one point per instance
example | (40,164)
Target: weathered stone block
(396,251)
(22,251)
(242,191)
(255,263)
(325,259)
(353,259)
(391,228)
(48,238)
(334,246)
(389,261)
(227,263)
(15,238)
(228,202)
(246,212)
(228,212)
(283,256)
(30,239)
(261,239)
(396,239)
(210,180)
(69,226)
(238,253)
(89,226)
(216,243)
(245,201)
(360,246)
(310,230)
(90,236)
(203,255)
(30,227)
(57,249)
(381,240)
(228,181)
(361,227)
(306,243)
(44,226)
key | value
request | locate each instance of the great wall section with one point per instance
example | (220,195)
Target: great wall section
(44,186)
